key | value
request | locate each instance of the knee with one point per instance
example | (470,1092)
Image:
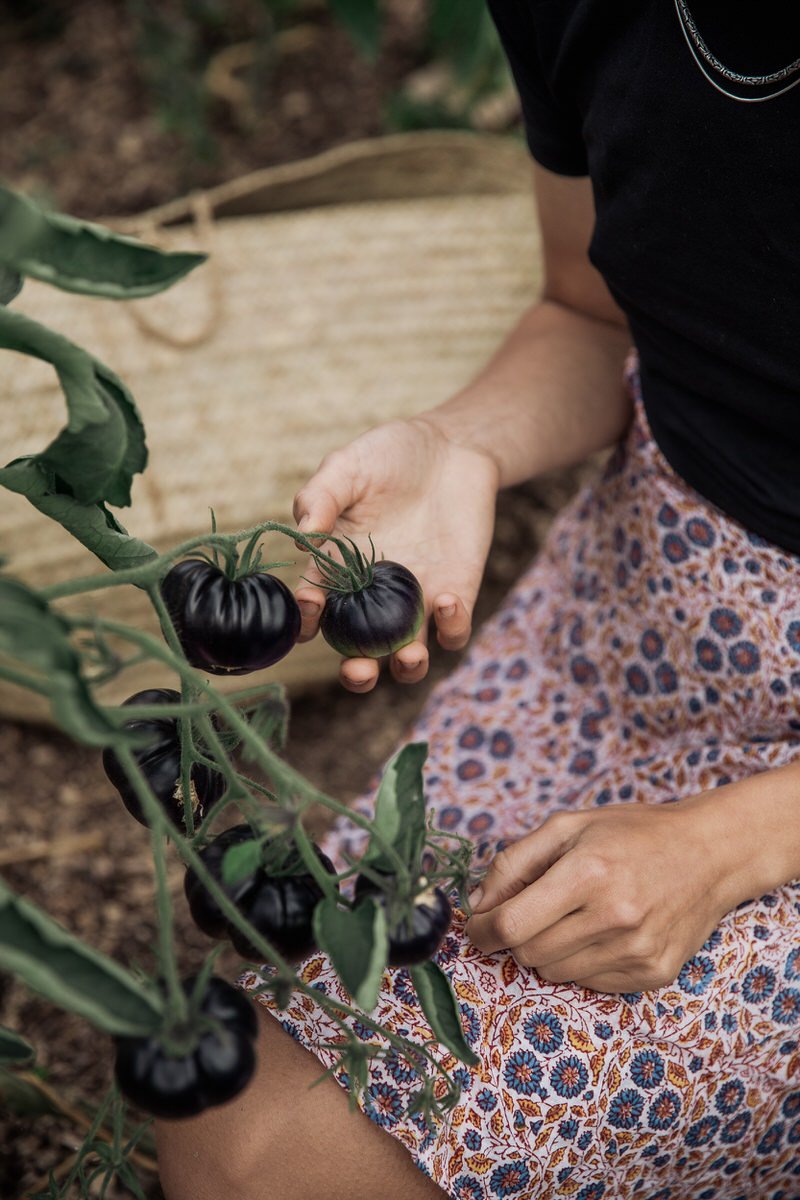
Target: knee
(212,1157)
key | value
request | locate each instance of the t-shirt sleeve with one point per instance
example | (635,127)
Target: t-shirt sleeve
(552,128)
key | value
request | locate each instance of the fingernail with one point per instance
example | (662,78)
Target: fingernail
(411,666)
(309,608)
(447,610)
(475,898)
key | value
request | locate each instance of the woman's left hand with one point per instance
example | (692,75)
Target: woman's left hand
(615,899)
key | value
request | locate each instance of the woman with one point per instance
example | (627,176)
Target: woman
(625,726)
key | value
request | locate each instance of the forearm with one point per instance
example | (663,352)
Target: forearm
(550,396)
(753,828)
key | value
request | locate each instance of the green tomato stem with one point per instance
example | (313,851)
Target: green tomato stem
(166,934)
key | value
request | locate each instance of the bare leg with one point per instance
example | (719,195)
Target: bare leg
(280,1139)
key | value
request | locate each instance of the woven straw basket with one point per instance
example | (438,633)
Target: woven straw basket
(367,283)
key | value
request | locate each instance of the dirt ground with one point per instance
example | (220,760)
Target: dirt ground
(72,102)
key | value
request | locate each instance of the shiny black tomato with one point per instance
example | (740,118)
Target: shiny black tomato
(219,1065)
(280,907)
(160,761)
(205,911)
(415,938)
(230,626)
(376,619)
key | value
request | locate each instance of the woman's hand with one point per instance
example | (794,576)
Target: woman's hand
(614,899)
(428,504)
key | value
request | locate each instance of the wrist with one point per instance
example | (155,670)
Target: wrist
(750,832)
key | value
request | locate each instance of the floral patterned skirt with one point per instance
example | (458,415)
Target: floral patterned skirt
(650,652)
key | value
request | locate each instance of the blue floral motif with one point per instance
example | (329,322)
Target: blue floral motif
(700,532)
(793,635)
(791,1105)
(509,1179)
(745,657)
(702,1131)
(592,1191)
(486,1100)
(481,823)
(772,1139)
(736,1128)
(467,770)
(452,816)
(583,762)
(472,738)
(637,680)
(473,1140)
(664,1109)
(667,516)
(397,1067)
(544,1031)
(651,644)
(569,1077)
(758,984)
(786,1006)
(647,1069)
(708,654)
(666,678)
(726,622)
(466,1188)
(626,1109)
(523,1072)
(675,548)
(502,744)
(696,974)
(569,1130)
(729,1096)
(470,1023)
(384,1104)
(583,670)
(792,968)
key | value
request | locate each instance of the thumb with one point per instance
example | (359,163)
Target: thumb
(328,493)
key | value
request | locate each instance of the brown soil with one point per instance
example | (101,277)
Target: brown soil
(79,126)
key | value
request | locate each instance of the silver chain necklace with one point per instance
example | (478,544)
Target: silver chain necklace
(702,56)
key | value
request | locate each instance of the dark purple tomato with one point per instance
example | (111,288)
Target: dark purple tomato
(205,911)
(417,937)
(218,1067)
(378,618)
(230,626)
(160,761)
(281,908)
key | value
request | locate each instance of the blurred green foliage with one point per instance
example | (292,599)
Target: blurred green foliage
(180,40)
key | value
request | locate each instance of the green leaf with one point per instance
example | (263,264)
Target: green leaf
(362,20)
(92,524)
(441,1010)
(270,720)
(358,946)
(10,285)
(400,809)
(102,446)
(75,976)
(21,1097)
(35,636)
(79,256)
(14,1050)
(240,861)
(461,32)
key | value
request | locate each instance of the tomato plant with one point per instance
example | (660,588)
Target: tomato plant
(160,761)
(230,626)
(217,1062)
(262,882)
(418,925)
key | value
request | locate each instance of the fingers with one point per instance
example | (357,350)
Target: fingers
(311,601)
(520,863)
(453,621)
(410,664)
(329,493)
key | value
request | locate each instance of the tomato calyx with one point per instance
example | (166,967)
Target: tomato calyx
(417,917)
(355,572)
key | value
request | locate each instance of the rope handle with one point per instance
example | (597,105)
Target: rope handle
(203,215)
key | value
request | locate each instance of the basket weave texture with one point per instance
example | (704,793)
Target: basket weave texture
(366,284)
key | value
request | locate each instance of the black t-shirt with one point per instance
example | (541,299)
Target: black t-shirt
(698,217)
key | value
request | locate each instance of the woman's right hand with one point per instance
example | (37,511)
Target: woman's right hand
(427,503)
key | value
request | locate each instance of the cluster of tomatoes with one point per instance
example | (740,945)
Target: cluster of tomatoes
(233,626)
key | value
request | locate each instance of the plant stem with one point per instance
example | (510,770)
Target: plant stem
(166,939)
